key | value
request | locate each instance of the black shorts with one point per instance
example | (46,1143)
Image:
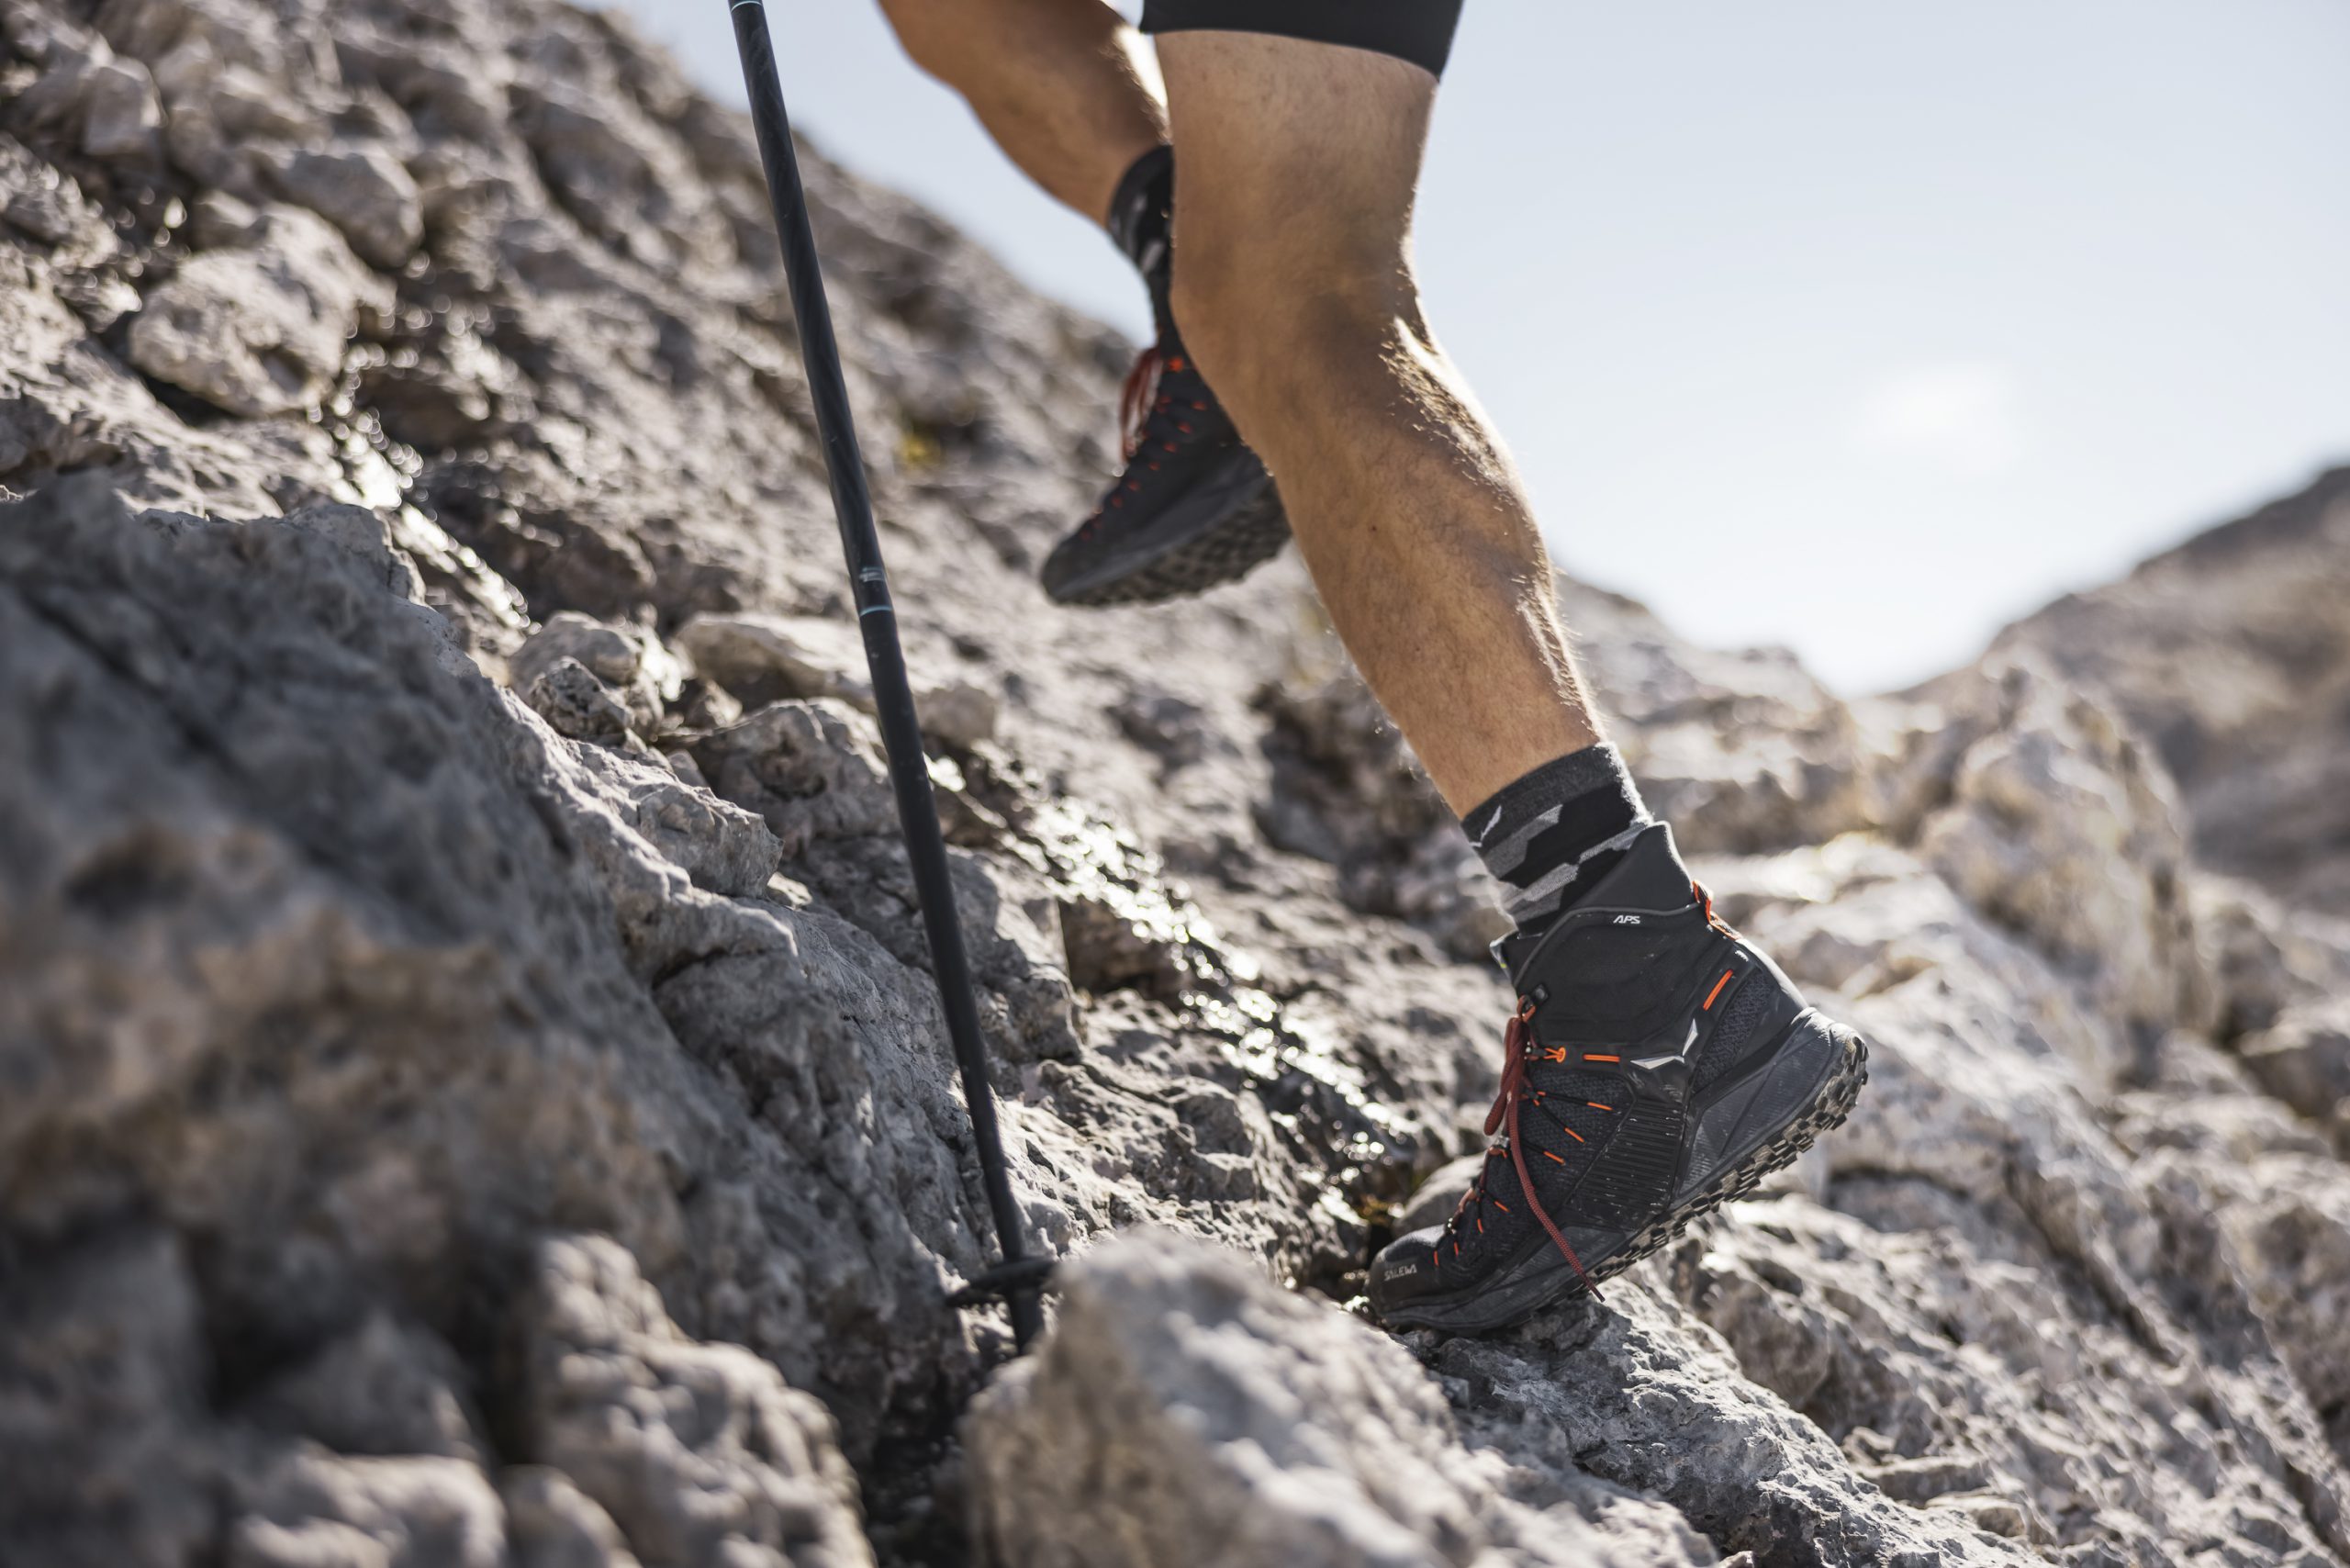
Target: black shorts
(1417,30)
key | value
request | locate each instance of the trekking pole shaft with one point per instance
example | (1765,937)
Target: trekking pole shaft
(892,696)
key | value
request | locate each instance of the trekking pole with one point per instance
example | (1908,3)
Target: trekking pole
(1019,1279)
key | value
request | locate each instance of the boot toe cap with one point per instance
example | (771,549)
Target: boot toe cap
(1405,1270)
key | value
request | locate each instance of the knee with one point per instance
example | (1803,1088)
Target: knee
(1263,326)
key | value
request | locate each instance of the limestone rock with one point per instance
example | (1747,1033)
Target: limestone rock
(723,848)
(2266,959)
(577,704)
(122,118)
(1345,788)
(386,1389)
(85,257)
(1618,1394)
(105,104)
(2018,1236)
(2059,822)
(1185,1411)
(769,658)
(550,1523)
(1741,751)
(102,1442)
(959,716)
(47,205)
(813,770)
(629,659)
(2232,654)
(699,1453)
(335,980)
(362,190)
(312,1507)
(186,865)
(2303,1059)
(258,329)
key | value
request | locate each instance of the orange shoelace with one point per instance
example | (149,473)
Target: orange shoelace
(1137,396)
(1517,1045)
(1139,400)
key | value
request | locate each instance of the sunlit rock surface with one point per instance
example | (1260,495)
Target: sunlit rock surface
(470,1087)
(2232,654)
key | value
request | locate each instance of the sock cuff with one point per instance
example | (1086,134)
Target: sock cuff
(1594,768)
(1553,835)
(1137,206)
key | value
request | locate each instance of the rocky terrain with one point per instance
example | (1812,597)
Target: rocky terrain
(469,1090)
(2231,655)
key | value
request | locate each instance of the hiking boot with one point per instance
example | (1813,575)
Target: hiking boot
(1657,1067)
(1194,506)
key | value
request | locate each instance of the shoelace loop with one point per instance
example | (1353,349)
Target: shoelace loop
(1136,397)
(1146,399)
(1517,1049)
(1706,901)
(1142,400)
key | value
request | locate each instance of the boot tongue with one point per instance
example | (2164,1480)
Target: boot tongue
(1650,877)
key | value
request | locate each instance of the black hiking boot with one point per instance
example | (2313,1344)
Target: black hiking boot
(1657,1067)
(1194,506)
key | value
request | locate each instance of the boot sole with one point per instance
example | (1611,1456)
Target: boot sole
(1236,543)
(1816,1072)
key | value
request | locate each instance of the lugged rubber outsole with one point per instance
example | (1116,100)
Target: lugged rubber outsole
(1242,540)
(1826,1109)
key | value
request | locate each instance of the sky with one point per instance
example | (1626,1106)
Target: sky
(1857,328)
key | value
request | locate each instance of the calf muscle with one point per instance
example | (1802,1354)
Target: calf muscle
(1295,291)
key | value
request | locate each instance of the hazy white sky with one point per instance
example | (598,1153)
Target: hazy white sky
(1855,327)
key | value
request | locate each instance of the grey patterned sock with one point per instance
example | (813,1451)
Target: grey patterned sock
(1553,834)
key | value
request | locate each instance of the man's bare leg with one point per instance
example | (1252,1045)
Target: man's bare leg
(1296,294)
(1655,1061)
(1648,1035)
(1067,90)
(1301,160)
(1066,87)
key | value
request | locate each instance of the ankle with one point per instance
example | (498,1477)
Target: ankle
(1550,836)
(1141,224)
